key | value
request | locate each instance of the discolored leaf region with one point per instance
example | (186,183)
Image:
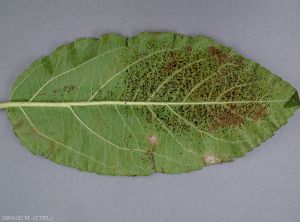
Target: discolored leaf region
(155,102)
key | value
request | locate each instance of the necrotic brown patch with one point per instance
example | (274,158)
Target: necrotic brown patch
(222,75)
(260,112)
(227,118)
(218,54)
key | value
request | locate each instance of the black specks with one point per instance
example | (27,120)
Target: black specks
(65,89)
(191,75)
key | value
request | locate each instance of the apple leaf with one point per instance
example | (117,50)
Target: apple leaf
(155,102)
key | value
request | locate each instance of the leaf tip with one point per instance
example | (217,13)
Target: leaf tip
(294,101)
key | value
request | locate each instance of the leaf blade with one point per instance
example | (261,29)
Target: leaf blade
(157,102)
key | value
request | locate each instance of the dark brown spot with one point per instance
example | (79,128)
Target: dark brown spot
(65,89)
(259,113)
(172,61)
(226,118)
(218,54)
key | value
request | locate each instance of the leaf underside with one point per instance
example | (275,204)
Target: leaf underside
(198,103)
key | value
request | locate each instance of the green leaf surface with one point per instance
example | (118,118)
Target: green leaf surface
(155,102)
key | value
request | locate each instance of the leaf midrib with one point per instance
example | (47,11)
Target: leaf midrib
(129,103)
